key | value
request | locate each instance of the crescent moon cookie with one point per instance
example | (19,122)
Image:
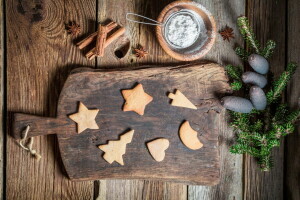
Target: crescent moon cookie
(189,137)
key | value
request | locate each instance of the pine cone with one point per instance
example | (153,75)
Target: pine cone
(258,63)
(255,79)
(258,98)
(237,104)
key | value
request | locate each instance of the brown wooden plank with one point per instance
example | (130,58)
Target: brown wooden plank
(40,55)
(268,20)
(292,151)
(231,185)
(137,35)
(2,133)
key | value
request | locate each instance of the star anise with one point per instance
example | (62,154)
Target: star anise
(73,28)
(140,52)
(227,33)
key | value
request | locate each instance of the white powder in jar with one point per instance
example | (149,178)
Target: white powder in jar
(182,31)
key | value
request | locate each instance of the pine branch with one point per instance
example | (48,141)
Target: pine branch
(242,53)
(248,34)
(240,121)
(236,85)
(234,72)
(265,163)
(280,113)
(280,84)
(293,116)
(269,49)
(258,132)
(257,126)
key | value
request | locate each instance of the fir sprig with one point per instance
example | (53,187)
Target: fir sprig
(242,53)
(235,73)
(269,49)
(280,84)
(236,85)
(248,34)
(251,41)
(259,132)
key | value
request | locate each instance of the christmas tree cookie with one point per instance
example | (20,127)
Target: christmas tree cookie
(115,150)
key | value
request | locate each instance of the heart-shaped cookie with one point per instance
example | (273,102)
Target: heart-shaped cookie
(157,148)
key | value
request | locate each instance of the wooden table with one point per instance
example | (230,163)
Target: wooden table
(37,54)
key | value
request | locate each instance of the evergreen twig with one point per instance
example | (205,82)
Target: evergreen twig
(248,34)
(269,49)
(280,84)
(259,132)
(242,53)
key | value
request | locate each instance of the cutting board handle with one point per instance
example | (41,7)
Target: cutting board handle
(38,125)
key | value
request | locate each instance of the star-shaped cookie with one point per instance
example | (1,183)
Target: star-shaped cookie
(136,99)
(85,118)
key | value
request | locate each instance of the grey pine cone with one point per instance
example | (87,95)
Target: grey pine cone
(258,63)
(255,79)
(258,98)
(237,104)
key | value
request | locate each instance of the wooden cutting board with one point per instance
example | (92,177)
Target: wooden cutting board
(99,89)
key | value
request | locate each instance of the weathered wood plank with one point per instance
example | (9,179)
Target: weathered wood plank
(2,100)
(40,55)
(230,187)
(138,35)
(292,150)
(268,20)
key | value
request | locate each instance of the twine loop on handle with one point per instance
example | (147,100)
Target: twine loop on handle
(28,145)
(143,17)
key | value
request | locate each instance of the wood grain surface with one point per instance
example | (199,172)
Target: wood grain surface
(231,183)
(40,55)
(292,150)
(2,102)
(258,184)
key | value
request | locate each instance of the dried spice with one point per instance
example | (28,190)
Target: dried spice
(227,33)
(74,29)
(140,52)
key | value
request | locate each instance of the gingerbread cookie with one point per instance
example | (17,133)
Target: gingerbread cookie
(136,99)
(85,118)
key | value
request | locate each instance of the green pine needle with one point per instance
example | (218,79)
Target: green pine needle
(242,53)
(248,34)
(236,85)
(293,116)
(269,49)
(280,84)
(234,72)
(265,163)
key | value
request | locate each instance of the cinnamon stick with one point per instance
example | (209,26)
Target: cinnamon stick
(101,38)
(91,54)
(86,41)
(89,39)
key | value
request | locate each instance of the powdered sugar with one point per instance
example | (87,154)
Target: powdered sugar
(182,31)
